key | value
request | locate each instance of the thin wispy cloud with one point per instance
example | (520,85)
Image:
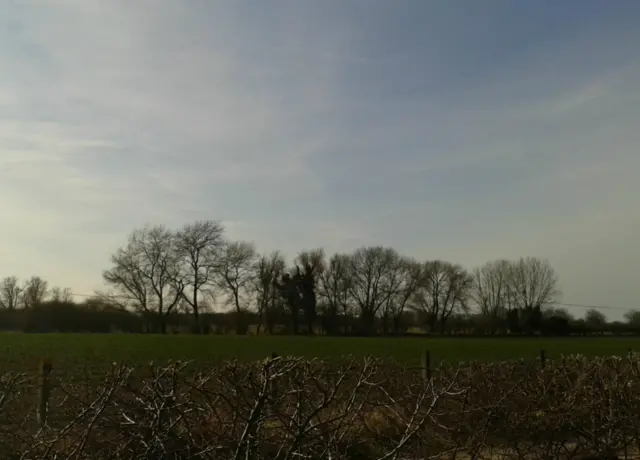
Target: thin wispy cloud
(445,129)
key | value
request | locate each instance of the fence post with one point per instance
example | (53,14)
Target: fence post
(426,366)
(46,367)
(543,358)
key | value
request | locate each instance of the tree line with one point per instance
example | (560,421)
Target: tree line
(195,278)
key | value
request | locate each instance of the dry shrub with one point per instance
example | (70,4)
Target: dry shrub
(291,408)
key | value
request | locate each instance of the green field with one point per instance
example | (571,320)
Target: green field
(22,352)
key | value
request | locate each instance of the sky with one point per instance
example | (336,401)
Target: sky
(448,129)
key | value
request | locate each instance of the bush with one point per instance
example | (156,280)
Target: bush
(295,408)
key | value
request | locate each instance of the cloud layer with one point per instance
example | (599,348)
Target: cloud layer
(446,130)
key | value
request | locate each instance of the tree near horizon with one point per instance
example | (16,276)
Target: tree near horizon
(534,282)
(533,286)
(236,270)
(595,320)
(268,269)
(444,290)
(333,288)
(287,286)
(61,295)
(632,317)
(402,281)
(198,248)
(34,292)
(491,283)
(313,266)
(10,292)
(557,312)
(148,271)
(369,269)
(160,272)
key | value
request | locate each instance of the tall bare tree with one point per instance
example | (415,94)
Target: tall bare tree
(129,287)
(334,288)
(148,271)
(62,295)
(198,246)
(444,289)
(402,282)
(268,269)
(10,292)
(315,259)
(490,291)
(370,269)
(236,272)
(533,282)
(35,291)
(310,265)
(287,287)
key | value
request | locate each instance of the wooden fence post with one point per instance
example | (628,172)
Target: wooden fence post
(426,366)
(46,367)
(543,358)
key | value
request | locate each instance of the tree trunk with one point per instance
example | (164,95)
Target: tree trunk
(196,315)
(197,327)
(385,324)
(367,323)
(396,324)
(294,318)
(163,323)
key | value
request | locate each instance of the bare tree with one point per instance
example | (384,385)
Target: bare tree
(315,259)
(236,270)
(533,283)
(61,295)
(335,286)
(287,287)
(198,248)
(444,289)
(267,270)
(313,266)
(34,292)
(148,271)
(129,288)
(10,292)
(490,288)
(370,268)
(402,282)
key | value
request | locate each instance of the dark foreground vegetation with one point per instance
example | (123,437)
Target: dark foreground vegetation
(99,316)
(292,408)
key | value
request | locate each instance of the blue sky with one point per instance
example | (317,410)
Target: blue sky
(448,129)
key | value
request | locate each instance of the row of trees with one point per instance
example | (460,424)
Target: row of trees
(15,294)
(160,271)
(162,275)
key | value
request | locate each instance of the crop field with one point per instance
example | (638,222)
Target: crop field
(69,352)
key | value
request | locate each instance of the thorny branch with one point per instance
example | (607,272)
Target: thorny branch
(292,408)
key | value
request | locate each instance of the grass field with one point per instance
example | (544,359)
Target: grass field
(22,352)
